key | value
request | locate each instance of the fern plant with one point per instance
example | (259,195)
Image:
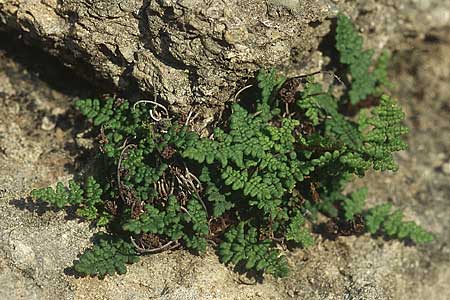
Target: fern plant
(358,62)
(87,199)
(380,218)
(109,256)
(241,245)
(257,182)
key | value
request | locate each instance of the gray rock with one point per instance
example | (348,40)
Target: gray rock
(194,53)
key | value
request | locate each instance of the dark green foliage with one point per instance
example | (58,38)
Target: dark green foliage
(380,135)
(197,219)
(385,136)
(253,144)
(242,244)
(92,200)
(355,203)
(163,222)
(358,61)
(315,103)
(297,232)
(380,218)
(322,108)
(262,161)
(263,177)
(61,196)
(87,199)
(217,198)
(268,82)
(109,256)
(190,225)
(118,120)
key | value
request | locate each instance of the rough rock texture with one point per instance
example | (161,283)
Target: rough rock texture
(40,141)
(197,52)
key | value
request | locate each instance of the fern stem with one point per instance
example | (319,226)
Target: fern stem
(167,246)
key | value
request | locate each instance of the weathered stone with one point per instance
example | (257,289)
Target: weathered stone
(198,51)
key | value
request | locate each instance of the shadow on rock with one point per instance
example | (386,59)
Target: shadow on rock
(40,207)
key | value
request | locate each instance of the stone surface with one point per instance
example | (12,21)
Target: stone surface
(38,245)
(197,53)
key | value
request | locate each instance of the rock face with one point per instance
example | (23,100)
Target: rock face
(192,53)
(198,52)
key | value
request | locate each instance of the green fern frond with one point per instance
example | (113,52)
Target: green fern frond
(316,103)
(359,62)
(87,199)
(242,245)
(297,232)
(110,255)
(269,168)
(380,218)
(354,204)
(385,136)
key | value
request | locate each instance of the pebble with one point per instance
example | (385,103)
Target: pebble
(47,124)
(446,168)
(22,255)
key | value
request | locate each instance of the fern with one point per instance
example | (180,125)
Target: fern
(358,61)
(263,176)
(109,256)
(268,82)
(163,222)
(197,218)
(355,203)
(118,120)
(242,245)
(380,218)
(297,233)
(60,196)
(385,136)
(93,199)
(316,103)
(218,200)
(87,199)
(322,107)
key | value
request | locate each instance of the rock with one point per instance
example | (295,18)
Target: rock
(194,52)
(47,124)
(22,255)
(5,85)
(446,168)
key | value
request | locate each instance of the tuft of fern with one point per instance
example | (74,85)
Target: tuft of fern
(381,219)
(354,204)
(60,196)
(163,222)
(297,232)
(259,180)
(241,244)
(109,256)
(87,199)
(315,102)
(119,120)
(359,62)
(197,222)
(385,136)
